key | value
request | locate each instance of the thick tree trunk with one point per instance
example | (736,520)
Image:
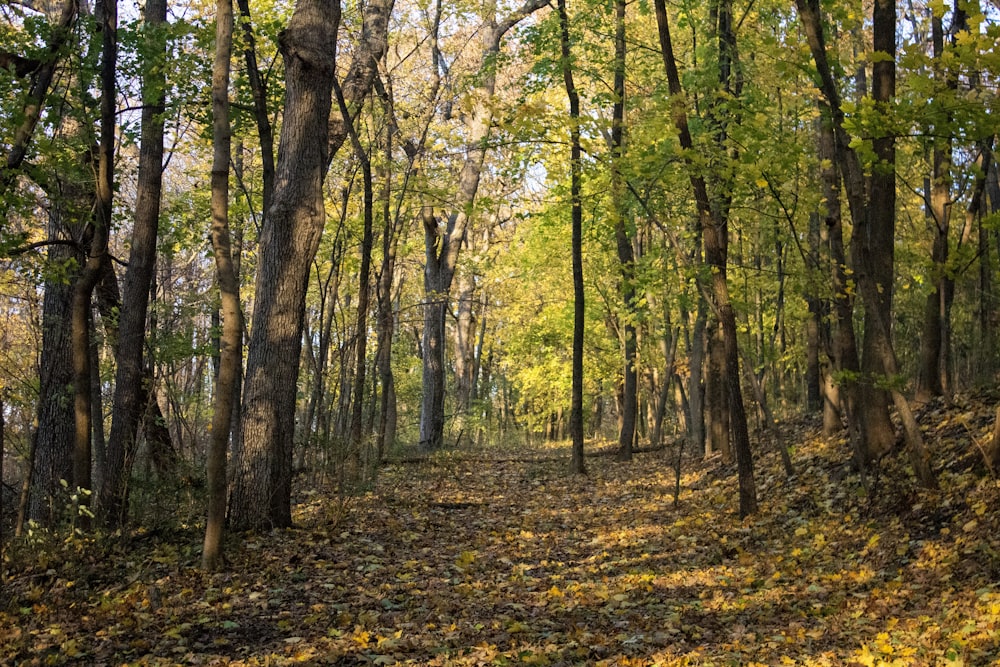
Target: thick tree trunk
(872,205)
(129,404)
(261,494)
(53,439)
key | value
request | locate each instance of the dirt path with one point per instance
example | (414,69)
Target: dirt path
(477,563)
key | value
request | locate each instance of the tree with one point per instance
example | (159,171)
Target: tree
(230,342)
(443,238)
(289,240)
(129,399)
(872,202)
(626,254)
(712,221)
(97,259)
(577,463)
(290,237)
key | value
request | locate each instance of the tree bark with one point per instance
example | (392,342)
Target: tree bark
(626,255)
(713,223)
(577,463)
(34,104)
(443,241)
(129,406)
(871,201)
(97,260)
(364,291)
(230,341)
(261,494)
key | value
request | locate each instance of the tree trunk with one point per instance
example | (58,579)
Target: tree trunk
(465,342)
(933,375)
(230,348)
(53,439)
(364,292)
(626,256)
(443,242)
(872,205)
(97,258)
(128,407)
(34,104)
(577,463)
(716,394)
(713,223)
(261,494)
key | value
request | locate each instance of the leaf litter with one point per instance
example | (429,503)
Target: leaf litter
(512,561)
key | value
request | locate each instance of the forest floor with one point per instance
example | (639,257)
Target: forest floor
(503,558)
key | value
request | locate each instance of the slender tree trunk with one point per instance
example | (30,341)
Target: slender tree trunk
(577,463)
(97,257)
(713,224)
(230,341)
(626,255)
(129,406)
(465,342)
(364,291)
(443,241)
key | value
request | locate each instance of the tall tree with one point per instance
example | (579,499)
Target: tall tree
(872,202)
(230,342)
(577,463)
(289,240)
(713,223)
(443,238)
(97,259)
(623,243)
(130,398)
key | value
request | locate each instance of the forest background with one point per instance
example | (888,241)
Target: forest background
(253,253)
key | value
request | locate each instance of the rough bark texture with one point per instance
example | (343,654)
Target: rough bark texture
(54,438)
(261,494)
(129,398)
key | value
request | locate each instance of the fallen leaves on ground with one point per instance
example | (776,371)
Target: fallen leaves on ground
(472,561)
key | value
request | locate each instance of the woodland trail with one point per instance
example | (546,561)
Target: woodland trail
(472,562)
